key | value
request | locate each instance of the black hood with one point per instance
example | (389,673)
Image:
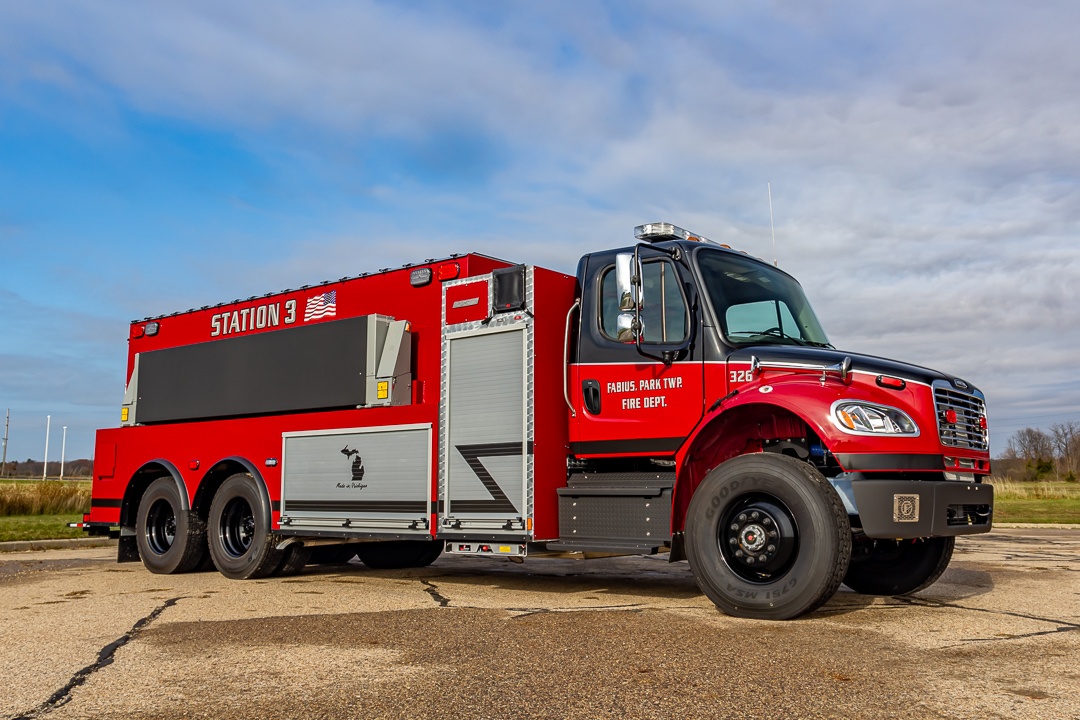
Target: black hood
(864,363)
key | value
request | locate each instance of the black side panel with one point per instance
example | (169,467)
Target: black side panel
(628,512)
(311,367)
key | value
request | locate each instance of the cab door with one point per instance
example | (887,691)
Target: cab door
(625,402)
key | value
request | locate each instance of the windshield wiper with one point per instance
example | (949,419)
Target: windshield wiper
(779,334)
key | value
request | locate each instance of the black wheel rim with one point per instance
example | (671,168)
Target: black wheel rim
(160,527)
(237,528)
(758,537)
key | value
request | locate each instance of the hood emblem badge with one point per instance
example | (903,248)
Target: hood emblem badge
(960,384)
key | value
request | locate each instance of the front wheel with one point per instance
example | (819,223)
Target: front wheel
(767,537)
(897,567)
(239,530)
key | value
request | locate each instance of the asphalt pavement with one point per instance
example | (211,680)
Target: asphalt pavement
(83,637)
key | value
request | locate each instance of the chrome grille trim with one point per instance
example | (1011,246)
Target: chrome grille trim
(965,432)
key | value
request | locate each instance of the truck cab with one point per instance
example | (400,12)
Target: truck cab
(704,371)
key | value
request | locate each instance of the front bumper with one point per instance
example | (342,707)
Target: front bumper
(917,508)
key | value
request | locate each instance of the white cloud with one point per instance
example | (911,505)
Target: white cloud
(923,159)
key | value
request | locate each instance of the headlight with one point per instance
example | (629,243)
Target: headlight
(861,418)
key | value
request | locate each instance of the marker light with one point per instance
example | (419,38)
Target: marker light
(860,418)
(982,422)
(152,328)
(894,383)
(950,416)
(449,271)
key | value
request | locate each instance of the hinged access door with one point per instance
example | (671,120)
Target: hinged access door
(485,435)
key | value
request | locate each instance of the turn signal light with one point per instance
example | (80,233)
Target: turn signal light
(982,422)
(950,416)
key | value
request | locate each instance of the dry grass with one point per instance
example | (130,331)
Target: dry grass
(45,497)
(1005,489)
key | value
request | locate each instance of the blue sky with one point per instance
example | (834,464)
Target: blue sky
(923,159)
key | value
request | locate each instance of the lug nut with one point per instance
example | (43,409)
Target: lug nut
(755,515)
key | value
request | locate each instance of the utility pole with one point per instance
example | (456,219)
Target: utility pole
(63,448)
(45,468)
(3,463)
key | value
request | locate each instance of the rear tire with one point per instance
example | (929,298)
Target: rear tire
(898,567)
(333,554)
(767,537)
(170,539)
(239,530)
(293,560)
(396,554)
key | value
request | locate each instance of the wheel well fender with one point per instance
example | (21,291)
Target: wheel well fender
(141,480)
(218,474)
(736,431)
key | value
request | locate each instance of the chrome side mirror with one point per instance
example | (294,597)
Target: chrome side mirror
(628,325)
(624,281)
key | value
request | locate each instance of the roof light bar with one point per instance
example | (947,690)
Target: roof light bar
(658,232)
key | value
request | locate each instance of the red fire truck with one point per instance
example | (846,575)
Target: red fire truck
(675,396)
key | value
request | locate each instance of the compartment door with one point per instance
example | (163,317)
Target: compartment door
(485,442)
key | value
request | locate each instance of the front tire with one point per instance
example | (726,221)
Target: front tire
(170,539)
(239,530)
(767,537)
(898,567)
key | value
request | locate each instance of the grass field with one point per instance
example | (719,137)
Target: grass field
(41,509)
(38,527)
(43,497)
(1036,502)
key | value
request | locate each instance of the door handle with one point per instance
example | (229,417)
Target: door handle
(590,393)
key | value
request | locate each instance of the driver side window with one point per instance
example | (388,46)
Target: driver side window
(663,314)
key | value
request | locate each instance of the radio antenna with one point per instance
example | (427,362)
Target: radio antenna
(772,227)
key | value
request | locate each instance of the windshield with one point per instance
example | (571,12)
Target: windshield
(757,305)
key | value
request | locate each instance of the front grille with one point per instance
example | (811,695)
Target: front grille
(966,432)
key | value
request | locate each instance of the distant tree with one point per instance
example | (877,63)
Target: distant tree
(1065,437)
(1035,448)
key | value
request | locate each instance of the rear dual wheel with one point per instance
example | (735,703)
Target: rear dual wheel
(767,537)
(238,531)
(170,538)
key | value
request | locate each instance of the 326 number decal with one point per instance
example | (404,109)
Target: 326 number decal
(739,376)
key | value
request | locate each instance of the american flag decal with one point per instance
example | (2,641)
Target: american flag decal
(322,305)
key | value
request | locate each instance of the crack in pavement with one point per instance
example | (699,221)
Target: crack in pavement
(1062,626)
(528,612)
(105,657)
(433,590)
